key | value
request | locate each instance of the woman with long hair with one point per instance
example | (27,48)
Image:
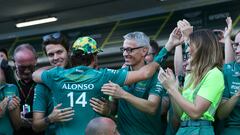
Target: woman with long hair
(197,101)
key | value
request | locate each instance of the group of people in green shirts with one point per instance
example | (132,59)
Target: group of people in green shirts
(73,91)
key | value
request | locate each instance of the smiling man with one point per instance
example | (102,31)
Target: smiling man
(83,55)
(45,112)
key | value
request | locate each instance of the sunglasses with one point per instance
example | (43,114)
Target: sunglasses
(129,50)
(50,37)
(23,68)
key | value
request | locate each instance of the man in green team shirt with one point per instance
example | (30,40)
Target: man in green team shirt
(138,111)
(55,46)
(229,109)
(76,86)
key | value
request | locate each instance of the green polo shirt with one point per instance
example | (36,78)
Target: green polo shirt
(74,88)
(132,121)
(5,122)
(232,86)
(43,103)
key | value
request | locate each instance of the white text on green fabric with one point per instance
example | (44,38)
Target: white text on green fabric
(78,86)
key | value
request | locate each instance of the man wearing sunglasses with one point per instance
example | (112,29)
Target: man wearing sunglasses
(25,60)
(45,112)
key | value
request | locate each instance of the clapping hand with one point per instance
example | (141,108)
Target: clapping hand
(14,103)
(168,80)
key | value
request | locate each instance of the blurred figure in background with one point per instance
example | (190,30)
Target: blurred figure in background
(9,107)
(25,60)
(3,54)
(8,72)
(152,52)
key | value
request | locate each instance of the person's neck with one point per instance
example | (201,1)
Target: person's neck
(138,66)
(91,65)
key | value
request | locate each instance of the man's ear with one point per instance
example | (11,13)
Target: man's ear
(145,51)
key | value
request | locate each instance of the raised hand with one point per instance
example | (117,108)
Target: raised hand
(175,39)
(185,28)
(228,29)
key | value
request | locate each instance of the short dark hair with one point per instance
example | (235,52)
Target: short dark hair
(4,51)
(155,46)
(55,38)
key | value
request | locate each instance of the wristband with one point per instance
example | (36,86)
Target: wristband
(161,57)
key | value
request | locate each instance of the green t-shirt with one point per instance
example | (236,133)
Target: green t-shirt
(232,86)
(43,102)
(130,120)
(74,88)
(207,89)
(5,122)
(39,105)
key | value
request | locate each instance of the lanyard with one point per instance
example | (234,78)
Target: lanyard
(22,92)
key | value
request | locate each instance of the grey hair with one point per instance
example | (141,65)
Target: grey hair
(141,38)
(24,47)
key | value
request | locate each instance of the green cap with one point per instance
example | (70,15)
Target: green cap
(86,44)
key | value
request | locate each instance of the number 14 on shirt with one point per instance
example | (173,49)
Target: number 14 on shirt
(80,100)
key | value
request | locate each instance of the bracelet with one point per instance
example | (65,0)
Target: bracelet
(161,57)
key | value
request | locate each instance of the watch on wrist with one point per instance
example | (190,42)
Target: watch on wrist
(47,120)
